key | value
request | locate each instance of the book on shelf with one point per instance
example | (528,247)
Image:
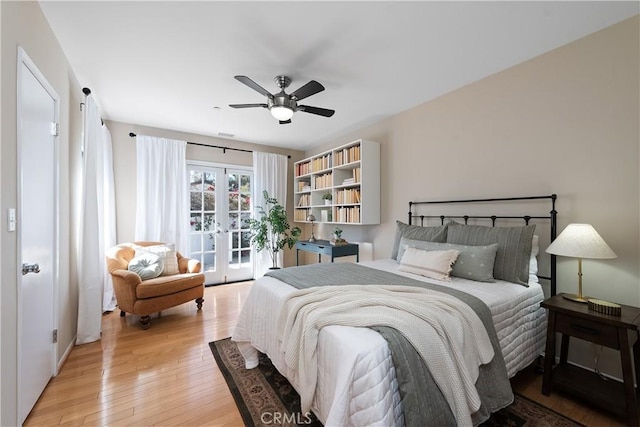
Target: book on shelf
(300,214)
(304,186)
(305,200)
(324,181)
(347,155)
(303,168)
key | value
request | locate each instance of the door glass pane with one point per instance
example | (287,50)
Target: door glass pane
(233,202)
(209,262)
(245,220)
(245,184)
(233,183)
(245,242)
(209,222)
(233,221)
(195,178)
(196,243)
(235,238)
(196,221)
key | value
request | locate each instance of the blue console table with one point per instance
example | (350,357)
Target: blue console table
(324,247)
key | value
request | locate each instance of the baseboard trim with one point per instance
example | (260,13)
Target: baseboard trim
(66,354)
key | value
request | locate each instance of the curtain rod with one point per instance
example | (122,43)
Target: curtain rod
(224,149)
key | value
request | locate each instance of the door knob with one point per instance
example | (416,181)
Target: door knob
(30,268)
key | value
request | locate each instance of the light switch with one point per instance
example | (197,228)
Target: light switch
(12,219)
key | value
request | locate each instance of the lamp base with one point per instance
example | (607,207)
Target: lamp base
(576,298)
(312,239)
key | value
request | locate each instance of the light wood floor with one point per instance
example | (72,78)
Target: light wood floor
(167,375)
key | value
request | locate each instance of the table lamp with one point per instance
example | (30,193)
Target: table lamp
(580,241)
(311,218)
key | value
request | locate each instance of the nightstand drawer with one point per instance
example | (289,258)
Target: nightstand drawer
(315,247)
(587,330)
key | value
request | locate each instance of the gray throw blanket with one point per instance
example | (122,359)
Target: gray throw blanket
(423,403)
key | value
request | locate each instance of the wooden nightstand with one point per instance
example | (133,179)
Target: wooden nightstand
(573,319)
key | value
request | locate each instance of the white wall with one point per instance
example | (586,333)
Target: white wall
(23,24)
(566,122)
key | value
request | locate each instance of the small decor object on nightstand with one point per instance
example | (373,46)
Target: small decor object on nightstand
(337,237)
(580,241)
(605,307)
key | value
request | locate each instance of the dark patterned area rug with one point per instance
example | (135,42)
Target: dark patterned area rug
(265,398)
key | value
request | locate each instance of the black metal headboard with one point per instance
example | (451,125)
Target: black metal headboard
(552,217)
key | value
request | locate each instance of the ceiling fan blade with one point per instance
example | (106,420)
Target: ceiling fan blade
(247,105)
(307,90)
(316,110)
(253,85)
(284,122)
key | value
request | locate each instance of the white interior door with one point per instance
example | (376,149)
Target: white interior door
(220,208)
(37,228)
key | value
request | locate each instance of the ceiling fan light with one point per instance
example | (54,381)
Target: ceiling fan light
(281,113)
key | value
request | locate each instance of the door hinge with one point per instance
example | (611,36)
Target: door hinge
(55,336)
(55,129)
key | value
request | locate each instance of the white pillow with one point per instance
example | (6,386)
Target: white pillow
(433,264)
(146,265)
(533,261)
(167,254)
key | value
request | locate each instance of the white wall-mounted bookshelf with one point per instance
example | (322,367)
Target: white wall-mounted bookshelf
(350,173)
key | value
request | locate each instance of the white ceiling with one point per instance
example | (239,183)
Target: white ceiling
(168,64)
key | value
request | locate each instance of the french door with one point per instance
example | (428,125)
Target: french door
(220,206)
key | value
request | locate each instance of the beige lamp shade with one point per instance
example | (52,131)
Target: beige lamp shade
(580,241)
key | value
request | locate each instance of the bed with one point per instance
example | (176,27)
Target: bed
(356,379)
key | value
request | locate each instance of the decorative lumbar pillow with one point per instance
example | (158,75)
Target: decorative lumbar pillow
(415,232)
(167,254)
(433,264)
(514,247)
(473,263)
(146,265)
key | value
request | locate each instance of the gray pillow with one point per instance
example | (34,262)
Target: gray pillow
(416,232)
(147,265)
(473,263)
(514,247)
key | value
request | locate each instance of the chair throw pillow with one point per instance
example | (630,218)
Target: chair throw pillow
(167,254)
(432,264)
(146,265)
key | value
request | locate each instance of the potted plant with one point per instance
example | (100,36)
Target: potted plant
(327,198)
(271,230)
(337,237)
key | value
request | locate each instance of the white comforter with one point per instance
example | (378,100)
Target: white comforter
(356,383)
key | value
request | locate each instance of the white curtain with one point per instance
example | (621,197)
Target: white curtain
(269,173)
(97,226)
(162,209)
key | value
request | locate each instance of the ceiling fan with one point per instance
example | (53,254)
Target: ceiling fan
(281,105)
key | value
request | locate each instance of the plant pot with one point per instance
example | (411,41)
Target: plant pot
(327,202)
